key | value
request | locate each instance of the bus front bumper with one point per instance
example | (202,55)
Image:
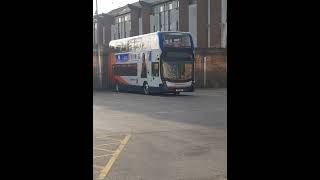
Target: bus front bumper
(166,89)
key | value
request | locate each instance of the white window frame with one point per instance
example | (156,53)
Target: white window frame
(127,18)
(161,8)
(103,35)
(96,32)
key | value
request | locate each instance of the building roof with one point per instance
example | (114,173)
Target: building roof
(141,3)
(137,4)
(121,10)
(127,8)
(152,2)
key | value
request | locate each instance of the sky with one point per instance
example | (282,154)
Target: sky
(105,6)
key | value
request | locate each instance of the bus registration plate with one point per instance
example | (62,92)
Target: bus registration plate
(179,90)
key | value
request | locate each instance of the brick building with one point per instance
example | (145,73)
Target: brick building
(205,19)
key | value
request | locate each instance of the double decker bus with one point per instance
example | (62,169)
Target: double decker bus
(159,62)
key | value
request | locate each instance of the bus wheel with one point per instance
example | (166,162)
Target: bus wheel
(177,93)
(117,87)
(146,89)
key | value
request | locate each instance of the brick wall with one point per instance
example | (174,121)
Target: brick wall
(202,21)
(215,23)
(107,22)
(184,15)
(216,69)
(94,71)
(104,68)
(134,22)
(145,16)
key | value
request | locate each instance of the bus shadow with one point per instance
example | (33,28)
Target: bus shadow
(171,95)
(162,94)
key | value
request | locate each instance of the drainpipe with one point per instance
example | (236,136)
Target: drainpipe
(99,48)
(209,13)
(205,72)
(99,63)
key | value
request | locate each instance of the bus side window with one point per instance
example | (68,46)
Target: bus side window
(130,45)
(124,47)
(153,42)
(143,45)
(155,69)
(146,41)
(119,47)
(137,45)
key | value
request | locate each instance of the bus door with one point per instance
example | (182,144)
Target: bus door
(148,58)
(155,70)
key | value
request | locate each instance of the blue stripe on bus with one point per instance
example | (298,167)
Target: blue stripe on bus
(192,45)
(160,40)
(122,57)
(149,56)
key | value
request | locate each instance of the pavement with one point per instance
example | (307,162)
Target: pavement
(160,137)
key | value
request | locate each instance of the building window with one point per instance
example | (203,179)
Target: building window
(160,24)
(169,21)
(177,3)
(96,32)
(127,18)
(118,30)
(124,29)
(193,2)
(104,35)
(177,25)
(170,6)
(161,8)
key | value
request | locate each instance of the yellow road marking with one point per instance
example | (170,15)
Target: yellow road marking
(103,149)
(118,140)
(105,144)
(98,167)
(103,136)
(104,172)
(105,155)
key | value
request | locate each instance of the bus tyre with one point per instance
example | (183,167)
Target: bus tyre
(146,89)
(117,87)
(177,93)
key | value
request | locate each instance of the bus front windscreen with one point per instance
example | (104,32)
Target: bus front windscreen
(176,40)
(177,66)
